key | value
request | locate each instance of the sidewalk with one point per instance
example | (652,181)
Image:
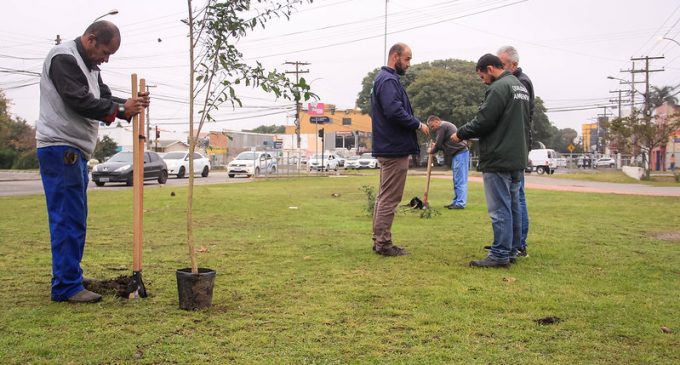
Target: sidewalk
(581,186)
(19,175)
(532,182)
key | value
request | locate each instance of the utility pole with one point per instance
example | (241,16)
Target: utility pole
(646,71)
(619,99)
(298,105)
(148,123)
(385,35)
(57,41)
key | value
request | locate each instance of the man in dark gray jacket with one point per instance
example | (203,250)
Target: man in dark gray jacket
(499,125)
(460,158)
(510,59)
(73,101)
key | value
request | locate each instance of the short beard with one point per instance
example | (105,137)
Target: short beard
(399,69)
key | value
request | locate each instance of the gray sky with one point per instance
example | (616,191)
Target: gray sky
(568,48)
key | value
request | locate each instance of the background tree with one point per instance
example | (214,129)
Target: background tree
(217,67)
(106,147)
(658,96)
(543,131)
(17,140)
(562,139)
(642,131)
(269,129)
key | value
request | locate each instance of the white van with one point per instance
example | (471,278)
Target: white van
(543,160)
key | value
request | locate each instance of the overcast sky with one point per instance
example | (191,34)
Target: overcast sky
(568,48)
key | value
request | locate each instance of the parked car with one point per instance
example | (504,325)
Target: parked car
(543,160)
(118,168)
(178,164)
(605,162)
(323,162)
(367,161)
(352,162)
(251,163)
(341,161)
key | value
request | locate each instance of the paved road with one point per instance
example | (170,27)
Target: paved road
(26,183)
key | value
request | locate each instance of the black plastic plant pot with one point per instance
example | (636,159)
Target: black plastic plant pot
(195,290)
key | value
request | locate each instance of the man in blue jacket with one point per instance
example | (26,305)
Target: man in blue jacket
(394,139)
(500,126)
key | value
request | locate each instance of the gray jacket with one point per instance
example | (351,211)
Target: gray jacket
(443,141)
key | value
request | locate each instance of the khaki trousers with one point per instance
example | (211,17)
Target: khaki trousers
(392,180)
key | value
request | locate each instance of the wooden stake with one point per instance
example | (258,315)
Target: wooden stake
(138,185)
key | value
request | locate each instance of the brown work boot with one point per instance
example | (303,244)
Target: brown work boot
(85,296)
(391,250)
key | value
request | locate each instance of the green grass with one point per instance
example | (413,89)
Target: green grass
(301,286)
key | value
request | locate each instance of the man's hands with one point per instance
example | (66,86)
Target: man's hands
(454,138)
(134,106)
(423,128)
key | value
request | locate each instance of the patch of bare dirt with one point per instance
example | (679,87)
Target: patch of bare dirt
(666,236)
(121,286)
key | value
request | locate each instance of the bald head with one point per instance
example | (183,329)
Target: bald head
(100,40)
(399,58)
(104,31)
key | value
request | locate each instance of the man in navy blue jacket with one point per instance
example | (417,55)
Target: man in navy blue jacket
(394,139)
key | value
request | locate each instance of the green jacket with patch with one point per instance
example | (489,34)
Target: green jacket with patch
(499,125)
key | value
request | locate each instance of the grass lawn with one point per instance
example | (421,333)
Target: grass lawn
(297,282)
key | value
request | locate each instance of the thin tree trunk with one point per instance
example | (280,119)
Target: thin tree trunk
(192,146)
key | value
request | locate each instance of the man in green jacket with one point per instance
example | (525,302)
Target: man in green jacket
(499,125)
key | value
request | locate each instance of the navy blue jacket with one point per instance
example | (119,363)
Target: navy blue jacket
(394,126)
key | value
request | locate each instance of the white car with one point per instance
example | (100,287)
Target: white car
(178,164)
(368,161)
(605,162)
(252,163)
(325,162)
(352,163)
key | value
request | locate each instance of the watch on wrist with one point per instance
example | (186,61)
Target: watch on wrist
(121,109)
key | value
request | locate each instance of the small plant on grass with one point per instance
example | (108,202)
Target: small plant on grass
(370,198)
(428,213)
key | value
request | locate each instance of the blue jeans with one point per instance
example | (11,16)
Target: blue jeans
(525,215)
(502,200)
(459,166)
(64,177)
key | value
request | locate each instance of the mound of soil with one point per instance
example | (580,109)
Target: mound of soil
(121,286)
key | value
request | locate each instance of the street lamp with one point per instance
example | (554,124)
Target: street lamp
(616,78)
(111,12)
(671,39)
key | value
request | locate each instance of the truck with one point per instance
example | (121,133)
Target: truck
(543,160)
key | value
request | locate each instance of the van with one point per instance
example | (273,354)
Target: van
(543,160)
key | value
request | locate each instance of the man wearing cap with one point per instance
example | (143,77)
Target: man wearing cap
(499,125)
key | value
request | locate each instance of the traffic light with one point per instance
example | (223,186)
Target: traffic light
(321,133)
(158,133)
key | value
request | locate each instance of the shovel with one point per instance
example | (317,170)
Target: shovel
(426,204)
(416,203)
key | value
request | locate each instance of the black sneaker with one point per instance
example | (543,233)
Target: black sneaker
(488,248)
(489,262)
(523,253)
(391,250)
